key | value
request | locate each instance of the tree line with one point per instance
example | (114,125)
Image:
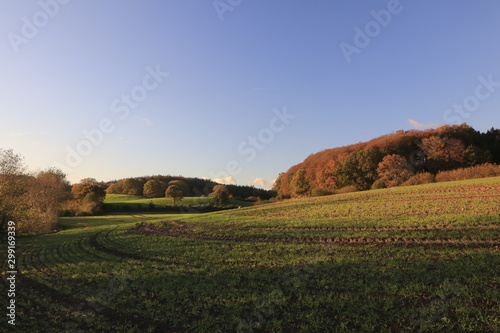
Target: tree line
(32,201)
(155,187)
(35,201)
(391,160)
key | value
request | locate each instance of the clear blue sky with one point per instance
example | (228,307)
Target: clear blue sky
(229,73)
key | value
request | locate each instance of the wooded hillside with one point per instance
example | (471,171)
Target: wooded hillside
(390,160)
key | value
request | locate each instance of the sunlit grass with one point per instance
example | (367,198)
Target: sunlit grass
(421,258)
(133,202)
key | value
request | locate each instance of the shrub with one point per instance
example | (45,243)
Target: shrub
(319,192)
(477,171)
(378,184)
(347,189)
(260,202)
(78,208)
(420,178)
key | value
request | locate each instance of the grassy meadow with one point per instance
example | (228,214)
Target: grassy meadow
(122,202)
(420,258)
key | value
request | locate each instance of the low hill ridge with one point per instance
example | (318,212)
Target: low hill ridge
(445,148)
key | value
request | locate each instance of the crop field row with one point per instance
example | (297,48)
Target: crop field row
(280,267)
(476,235)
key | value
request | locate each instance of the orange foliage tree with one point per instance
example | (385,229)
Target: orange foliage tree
(442,153)
(393,170)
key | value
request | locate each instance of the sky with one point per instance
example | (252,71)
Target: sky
(235,90)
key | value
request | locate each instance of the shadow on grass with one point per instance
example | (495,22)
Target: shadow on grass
(381,294)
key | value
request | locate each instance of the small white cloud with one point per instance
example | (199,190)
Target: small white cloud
(259,182)
(226,180)
(147,121)
(120,138)
(36,143)
(262,183)
(418,125)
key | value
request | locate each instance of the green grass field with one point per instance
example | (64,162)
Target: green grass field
(421,258)
(121,202)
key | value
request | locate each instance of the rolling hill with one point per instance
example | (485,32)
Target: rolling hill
(418,258)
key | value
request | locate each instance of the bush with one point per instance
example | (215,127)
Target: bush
(78,208)
(477,171)
(347,189)
(378,184)
(219,195)
(419,179)
(319,192)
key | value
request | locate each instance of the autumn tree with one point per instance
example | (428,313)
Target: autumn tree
(132,186)
(32,201)
(11,164)
(299,183)
(277,185)
(326,177)
(220,195)
(115,188)
(154,188)
(282,185)
(358,168)
(393,170)
(174,192)
(182,185)
(89,186)
(442,153)
(47,191)
(51,187)
(90,194)
(13,185)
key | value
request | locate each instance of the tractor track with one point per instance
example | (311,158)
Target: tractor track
(88,310)
(179,229)
(94,242)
